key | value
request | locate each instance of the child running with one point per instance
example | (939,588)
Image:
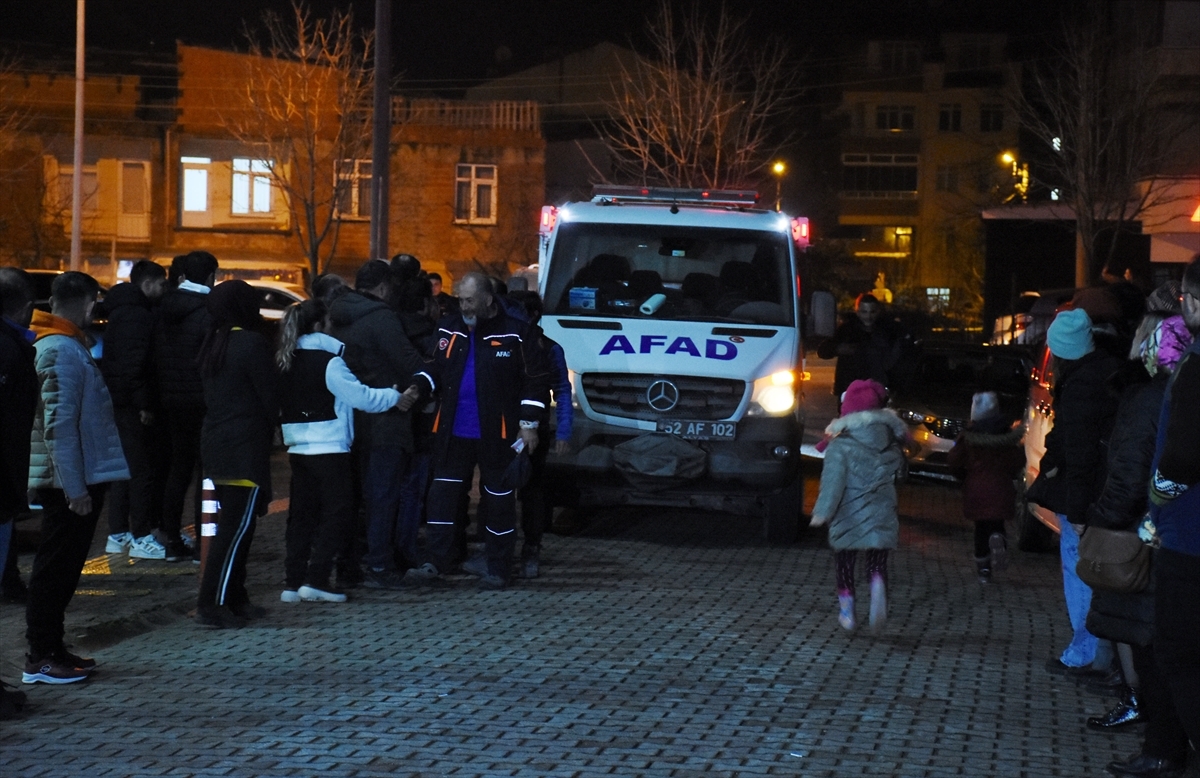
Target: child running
(863,460)
(317,401)
(988,456)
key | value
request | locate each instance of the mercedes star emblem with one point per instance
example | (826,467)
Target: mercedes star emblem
(662,395)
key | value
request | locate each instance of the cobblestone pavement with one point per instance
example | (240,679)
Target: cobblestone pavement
(664,644)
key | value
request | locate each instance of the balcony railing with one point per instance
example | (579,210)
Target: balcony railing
(520,115)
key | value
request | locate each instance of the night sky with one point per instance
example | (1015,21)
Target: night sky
(445,46)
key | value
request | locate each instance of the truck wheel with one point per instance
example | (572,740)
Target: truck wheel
(1032,535)
(784,514)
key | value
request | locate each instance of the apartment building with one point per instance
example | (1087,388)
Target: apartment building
(164,175)
(927,140)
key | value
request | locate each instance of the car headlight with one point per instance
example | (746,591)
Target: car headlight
(774,395)
(912,417)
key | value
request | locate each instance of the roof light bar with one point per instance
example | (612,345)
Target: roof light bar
(656,194)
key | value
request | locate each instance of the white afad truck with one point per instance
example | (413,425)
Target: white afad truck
(680,317)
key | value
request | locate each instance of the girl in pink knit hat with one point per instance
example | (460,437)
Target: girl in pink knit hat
(864,458)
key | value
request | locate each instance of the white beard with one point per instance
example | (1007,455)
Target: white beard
(470,320)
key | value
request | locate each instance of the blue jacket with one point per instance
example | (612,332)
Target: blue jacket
(334,436)
(560,385)
(1175,506)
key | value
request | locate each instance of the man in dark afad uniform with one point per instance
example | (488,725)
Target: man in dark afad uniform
(494,389)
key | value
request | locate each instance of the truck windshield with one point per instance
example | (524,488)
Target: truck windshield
(682,273)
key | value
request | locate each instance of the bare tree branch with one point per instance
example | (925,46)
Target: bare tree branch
(1105,108)
(703,109)
(305,102)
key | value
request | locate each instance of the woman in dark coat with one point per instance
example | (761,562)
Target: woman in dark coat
(240,395)
(989,456)
(1128,618)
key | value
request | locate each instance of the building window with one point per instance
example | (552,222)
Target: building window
(947,178)
(251,193)
(991,118)
(950,117)
(974,55)
(938,297)
(90,190)
(895,118)
(903,239)
(879,175)
(475,194)
(354,189)
(899,57)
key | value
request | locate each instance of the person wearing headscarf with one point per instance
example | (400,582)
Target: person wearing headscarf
(236,366)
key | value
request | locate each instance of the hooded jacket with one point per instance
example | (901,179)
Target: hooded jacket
(239,425)
(1121,502)
(990,460)
(858,480)
(318,397)
(128,364)
(18,402)
(1077,445)
(74,443)
(380,355)
(184,321)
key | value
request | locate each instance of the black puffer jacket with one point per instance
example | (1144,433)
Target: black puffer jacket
(380,354)
(128,364)
(1122,500)
(243,409)
(184,320)
(1077,445)
(19,392)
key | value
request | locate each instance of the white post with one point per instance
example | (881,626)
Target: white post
(77,177)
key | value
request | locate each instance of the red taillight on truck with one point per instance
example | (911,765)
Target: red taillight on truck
(549,217)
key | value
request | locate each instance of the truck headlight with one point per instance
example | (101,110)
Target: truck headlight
(774,395)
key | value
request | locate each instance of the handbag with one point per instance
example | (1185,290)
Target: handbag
(1113,560)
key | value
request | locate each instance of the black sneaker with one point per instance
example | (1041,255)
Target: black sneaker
(50,670)
(531,561)
(177,552)
(248,611)
(15,594)
(384,579)
(12,702)
(75,660)
(350,578)
(219,617)
(476,566)
(492,583)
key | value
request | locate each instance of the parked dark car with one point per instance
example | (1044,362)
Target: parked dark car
(934,398)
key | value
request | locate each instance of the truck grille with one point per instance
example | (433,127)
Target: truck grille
(624,395)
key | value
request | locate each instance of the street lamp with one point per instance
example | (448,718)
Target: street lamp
(779,169)
(1020,174)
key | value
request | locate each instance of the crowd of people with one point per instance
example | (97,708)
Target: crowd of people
(388,394)
(1123,457)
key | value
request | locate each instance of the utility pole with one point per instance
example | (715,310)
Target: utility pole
(381,134)
(77,174)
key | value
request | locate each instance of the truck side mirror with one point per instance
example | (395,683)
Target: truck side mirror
(822,315)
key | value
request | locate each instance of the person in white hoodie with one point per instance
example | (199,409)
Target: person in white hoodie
(318,397)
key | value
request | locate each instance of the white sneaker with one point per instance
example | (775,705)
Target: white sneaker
(878,615)
(289,595)
(147,547)
(313,594)
(119,543)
